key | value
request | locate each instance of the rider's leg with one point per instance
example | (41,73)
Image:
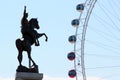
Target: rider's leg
(33,33)
(35,36)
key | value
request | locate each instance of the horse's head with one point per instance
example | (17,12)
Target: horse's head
(34,22)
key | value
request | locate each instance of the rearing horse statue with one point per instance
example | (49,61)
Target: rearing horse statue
(28,40)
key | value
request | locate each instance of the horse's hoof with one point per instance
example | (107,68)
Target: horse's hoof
(34,64)
(46,40)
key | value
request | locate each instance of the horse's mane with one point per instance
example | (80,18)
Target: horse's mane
(32,20)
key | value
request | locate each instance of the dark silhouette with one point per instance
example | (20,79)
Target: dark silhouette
(29,37)
(28,27)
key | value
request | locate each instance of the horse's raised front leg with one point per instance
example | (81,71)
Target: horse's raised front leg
(46,37)
(41,34)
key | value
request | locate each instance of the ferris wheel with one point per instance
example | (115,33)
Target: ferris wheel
(78,39)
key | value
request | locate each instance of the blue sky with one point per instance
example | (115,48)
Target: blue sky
(102,38)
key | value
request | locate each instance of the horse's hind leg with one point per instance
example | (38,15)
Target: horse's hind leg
(20,57)
(19,47)
(30,58)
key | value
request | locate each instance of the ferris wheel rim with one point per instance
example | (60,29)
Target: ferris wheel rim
(83,37)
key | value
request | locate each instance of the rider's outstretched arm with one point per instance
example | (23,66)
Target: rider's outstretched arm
(24,11)
(24,21)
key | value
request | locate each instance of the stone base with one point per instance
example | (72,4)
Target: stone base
(28,76)
(33,69)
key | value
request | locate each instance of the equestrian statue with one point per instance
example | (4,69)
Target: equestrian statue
(29,37)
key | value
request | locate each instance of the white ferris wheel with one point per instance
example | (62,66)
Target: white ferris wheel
(99,26)
(78,39)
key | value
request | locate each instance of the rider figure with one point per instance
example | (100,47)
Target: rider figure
(26,29)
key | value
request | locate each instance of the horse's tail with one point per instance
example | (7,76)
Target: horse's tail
(18,44)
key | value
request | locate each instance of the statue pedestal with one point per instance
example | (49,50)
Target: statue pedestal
(28,76)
